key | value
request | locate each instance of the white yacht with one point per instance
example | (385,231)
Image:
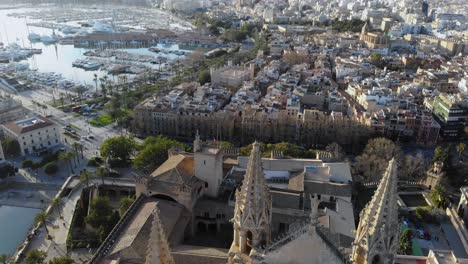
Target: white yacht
(48,39)
(34,37)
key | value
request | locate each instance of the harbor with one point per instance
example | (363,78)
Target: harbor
(79,43)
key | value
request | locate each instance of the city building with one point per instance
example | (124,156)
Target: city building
(373,40)
(33,134)
(231,76)
(462,208)
(451,112)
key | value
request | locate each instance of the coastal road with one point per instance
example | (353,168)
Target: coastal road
(80,124)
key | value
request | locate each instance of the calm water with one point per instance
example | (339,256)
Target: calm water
(55,58)
(14,225)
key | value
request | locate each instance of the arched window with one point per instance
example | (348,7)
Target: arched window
(376,259)
(248,242)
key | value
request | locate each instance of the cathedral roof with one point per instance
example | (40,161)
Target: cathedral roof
(179,169)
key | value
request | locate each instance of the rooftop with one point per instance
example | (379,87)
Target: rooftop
(29,124)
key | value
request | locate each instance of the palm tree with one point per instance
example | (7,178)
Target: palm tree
(460,149)
(111,88)
(71,157)
(41,219)
(78,148)
(85,177)
(95,79)
(102,172)
(58,204)
(63,156)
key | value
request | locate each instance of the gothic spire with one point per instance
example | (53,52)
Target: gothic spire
(313,211)
(252,213)
(254,196)
(158,251)
(377,233)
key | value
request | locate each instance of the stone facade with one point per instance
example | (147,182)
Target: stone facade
(373,40)
(231,76)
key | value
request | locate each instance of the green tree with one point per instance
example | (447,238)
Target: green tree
(57,203)
(372,163)
(125,203)
(438,196)
(102,217)
(102,172)
(86,177)
(154,153)
(336,150)
(405,243)
(62,260)
(66,157)
(118,148)
(4,258)
(376,59)
(412,167)
(441,154)
(11,148)
(100,212)
(35,256)
(41,219)
(78,147)
(51,168)
(204,77)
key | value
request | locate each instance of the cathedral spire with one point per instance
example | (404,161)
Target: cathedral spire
(197,143)
(378,231)
(254,193)
(252,213)
(158,251)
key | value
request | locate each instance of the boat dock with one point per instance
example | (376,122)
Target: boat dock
(109,40)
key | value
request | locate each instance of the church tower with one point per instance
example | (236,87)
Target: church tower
(252,213)
(377,235)
(364,31)
(158,251)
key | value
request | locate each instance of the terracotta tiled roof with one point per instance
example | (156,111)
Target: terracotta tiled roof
(18,129)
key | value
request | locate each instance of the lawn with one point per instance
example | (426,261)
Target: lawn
(102,120)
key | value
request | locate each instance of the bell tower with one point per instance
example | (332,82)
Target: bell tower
(252,213)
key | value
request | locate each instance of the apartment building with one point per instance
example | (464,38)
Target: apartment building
(33,134)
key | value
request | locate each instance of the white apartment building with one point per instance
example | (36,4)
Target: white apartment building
(34,134)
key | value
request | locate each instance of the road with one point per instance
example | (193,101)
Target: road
(79,124)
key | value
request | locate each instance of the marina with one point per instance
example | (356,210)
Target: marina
(66,47)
